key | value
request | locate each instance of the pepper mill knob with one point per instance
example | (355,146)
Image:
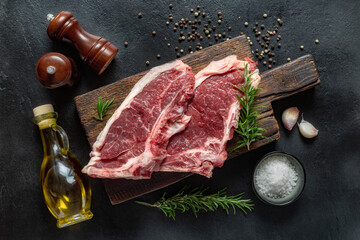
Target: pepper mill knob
(95,51)
(54,70)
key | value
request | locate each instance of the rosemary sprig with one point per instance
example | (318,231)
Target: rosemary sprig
(248,128)
(195,200)
(102,108)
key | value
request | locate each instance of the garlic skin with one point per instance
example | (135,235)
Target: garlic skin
(289,117)
(307,129)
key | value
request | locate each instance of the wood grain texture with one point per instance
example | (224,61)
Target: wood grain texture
(281,82)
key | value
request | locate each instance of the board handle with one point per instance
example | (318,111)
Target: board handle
(286,80)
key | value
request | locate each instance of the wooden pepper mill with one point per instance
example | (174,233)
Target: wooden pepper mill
(54,70)
(95,51)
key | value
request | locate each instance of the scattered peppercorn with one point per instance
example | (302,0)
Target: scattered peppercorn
(167,22)
(262,26)
(264,62)
(181,50)
(196,14)
(279,45)
(176,48)
(191,10)
(171,18)
(269,66)
(153,33)
(289,59)
(270,60)
(265,15)
(169,44)
(198,7)
(139,15)
(204,14)
(302,47)
(178,55)
(147,63)
(219,13)
(316,41)
(170,6)
(126,44)
(219,21)
(246,24)
(175,29)
(158,55)
(229,28)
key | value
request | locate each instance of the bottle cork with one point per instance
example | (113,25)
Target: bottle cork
(42,109)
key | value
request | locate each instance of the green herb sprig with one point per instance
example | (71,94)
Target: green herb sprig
(248,128)
(102,108)
(196,201)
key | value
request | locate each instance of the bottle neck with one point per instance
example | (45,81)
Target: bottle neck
(50,139)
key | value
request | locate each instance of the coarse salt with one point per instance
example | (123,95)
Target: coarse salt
(276,177)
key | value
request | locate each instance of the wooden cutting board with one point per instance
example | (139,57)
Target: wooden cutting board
(283,81)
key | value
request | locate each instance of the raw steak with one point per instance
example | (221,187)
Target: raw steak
(213,110)
(133,142)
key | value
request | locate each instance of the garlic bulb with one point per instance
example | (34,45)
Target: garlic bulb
(307,129)
(289,117)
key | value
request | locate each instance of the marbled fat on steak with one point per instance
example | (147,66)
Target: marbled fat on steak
(133,143)
(213,110)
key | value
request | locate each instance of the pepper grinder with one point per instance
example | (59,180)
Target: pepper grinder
(95,51)
(54,70)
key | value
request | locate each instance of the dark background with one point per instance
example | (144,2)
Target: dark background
(330,205)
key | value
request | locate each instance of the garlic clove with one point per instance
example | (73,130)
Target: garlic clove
(289,117)
(307,129)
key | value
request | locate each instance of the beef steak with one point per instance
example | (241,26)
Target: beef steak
(133,143)
(213,110)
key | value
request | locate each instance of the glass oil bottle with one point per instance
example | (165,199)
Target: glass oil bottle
(66,189)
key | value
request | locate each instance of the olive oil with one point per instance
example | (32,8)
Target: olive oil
(66,189)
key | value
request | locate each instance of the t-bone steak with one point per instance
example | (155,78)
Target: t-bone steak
(133,143)
(214,111)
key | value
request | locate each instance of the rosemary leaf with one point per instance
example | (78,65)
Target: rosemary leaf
(248,125)
(102,108)
(196,200)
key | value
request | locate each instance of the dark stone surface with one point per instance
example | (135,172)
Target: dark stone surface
(329,207)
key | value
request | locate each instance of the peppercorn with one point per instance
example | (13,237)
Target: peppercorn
(241,33)
(206,32)
(200,47)
(219,21)
(256,23)
(139,15)
(250,43)
(196,14)
(260,57)
(220,17)
(210,43)
(185,26)
(178,55)
(262,44)
(169,44)
(229,28)
(198,7)
(180,39)
(270,60)
(316,41)
(181,50)
(257,54)
(272,46)
(176,24)
(209,36)
(219,35)
(199,22)
(274,62)
(269,66)
(171,18)
(176,48)
(265,15)
(279,45)
(153,33)
(174,29)
(264,62)
(181,25)
(189,47)
(204,14)
(126,44)
(266,46)
(219,13)
(224,34)
(191,10)
(289,59)
(302,47)
(147,63)
(262,26)
(158,55)
(246,24)
(256,50)
(167,22)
